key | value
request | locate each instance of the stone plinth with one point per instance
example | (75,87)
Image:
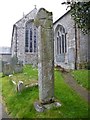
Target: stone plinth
(43,107)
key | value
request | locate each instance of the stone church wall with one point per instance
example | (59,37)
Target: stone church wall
(83,50)
(66,60)
(31,58)
(19,36)
(68,24)
(82,44)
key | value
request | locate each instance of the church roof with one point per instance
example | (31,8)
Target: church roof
(32,13)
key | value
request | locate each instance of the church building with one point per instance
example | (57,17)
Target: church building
(70,44)
(24,39)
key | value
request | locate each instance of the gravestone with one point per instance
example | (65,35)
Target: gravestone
(16,64)
(20,86)
(44,22)
(18,68)
(7,69)
(14,61)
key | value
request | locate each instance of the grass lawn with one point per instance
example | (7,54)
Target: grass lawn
(28,76)
(20,105)
(0,83)
(81,76)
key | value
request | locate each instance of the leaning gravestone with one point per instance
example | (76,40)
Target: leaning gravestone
(44,22)
(20,86)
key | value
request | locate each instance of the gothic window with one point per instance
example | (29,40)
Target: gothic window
(63,44)
(35,40)
(60,43)
(61,40)
(16,40)
(26,42)
(30,38)
(57,45)
(31,49)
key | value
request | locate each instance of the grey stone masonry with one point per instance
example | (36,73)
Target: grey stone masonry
(18,39)
(44,22)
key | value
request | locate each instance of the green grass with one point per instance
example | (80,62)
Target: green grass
(1,74)
(0,85)
(28,76)
(20,105)
(81,76)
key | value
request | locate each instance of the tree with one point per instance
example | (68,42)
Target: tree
(80,11)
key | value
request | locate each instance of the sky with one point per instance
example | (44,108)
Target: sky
(12,10)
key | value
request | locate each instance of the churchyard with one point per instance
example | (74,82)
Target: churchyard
(42,92)
(21,104)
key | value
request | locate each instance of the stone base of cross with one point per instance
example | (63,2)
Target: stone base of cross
(39,107)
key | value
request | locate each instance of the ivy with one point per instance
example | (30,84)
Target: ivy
(81,14)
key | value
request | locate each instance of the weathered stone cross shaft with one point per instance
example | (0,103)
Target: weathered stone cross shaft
(44,22)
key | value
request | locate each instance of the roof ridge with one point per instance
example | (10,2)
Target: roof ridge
(26,15)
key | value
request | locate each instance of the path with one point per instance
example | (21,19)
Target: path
(3,113)
(82,91)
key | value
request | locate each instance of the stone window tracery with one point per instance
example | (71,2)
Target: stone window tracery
(30,38)
(61,40)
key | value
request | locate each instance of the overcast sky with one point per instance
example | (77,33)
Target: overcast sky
(12,10)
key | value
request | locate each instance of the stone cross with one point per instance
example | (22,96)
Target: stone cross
(44,22)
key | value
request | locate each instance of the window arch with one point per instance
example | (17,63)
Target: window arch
(61,40)
(30,37)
